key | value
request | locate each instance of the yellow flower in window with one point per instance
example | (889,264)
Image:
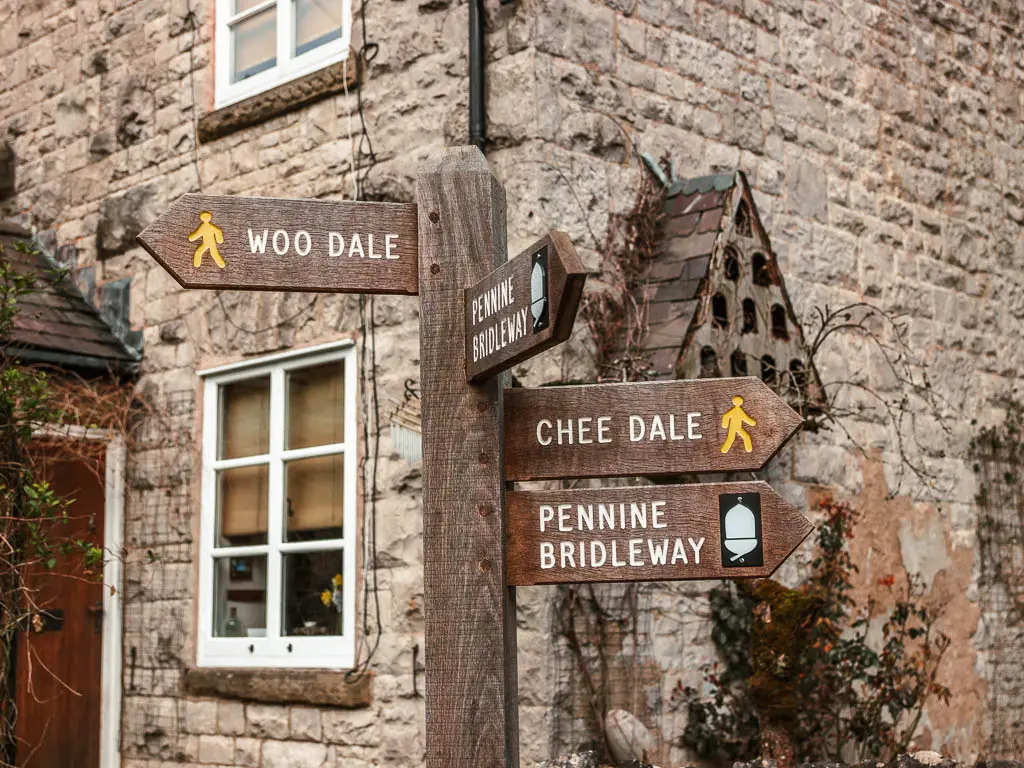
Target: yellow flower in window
(325,598)
(336,581)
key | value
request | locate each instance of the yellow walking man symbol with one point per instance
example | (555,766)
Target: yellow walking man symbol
(212,236)
(733,420)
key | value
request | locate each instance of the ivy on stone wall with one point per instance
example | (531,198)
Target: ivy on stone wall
(997,453)
(997,456)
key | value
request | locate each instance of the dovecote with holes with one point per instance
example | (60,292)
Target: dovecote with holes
(715,297)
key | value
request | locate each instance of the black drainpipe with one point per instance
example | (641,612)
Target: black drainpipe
(477,118)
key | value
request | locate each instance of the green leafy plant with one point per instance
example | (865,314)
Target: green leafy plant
(819,676)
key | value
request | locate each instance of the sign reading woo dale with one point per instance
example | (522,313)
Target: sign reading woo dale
(449,247)
(269,244)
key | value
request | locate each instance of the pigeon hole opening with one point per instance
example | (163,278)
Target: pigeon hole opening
(731,266)
(762,275)
(769,373)
(719,312)
(779,328)
(798,376)
(749,316)
(709,363)
(743,225)
(738,363)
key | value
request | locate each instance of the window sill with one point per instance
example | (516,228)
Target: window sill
(285,98)
(280,686)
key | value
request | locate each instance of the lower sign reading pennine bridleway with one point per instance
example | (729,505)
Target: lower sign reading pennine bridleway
(651,429)
(269,244)
(649,533)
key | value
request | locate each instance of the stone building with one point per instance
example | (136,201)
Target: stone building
(881,144)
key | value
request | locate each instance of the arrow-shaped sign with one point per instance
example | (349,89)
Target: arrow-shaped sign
(650,533)
(650,428)
(525,306)
(269,244)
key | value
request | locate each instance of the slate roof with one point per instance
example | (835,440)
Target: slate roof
(694,214)
(56,324)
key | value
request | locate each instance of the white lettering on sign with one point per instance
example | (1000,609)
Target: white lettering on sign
(495,298)
(584,430)
(504,326)
(629,552)
(302,243)
(507,330)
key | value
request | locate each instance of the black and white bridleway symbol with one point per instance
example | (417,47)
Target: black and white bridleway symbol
(539,290)
(740,517)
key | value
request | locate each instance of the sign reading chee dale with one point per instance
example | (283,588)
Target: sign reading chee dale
(657,428)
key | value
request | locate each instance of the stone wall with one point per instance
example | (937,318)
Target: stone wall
(883,144)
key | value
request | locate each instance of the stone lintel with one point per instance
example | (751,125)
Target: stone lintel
(280,686)
(280,100)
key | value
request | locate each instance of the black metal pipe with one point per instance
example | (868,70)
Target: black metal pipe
(477,117)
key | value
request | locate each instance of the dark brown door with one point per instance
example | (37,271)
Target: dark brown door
(58,668)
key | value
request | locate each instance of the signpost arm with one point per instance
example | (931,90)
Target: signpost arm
(472,697)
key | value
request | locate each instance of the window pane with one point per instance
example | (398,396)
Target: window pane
(240,597)
(242,506)
(316,405)
(316,22)
(244,418)
(254,43)
(313,591)
(313,496)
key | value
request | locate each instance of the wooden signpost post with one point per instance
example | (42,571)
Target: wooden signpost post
(449,247)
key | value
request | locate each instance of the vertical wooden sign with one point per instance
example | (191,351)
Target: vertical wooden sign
(472,696)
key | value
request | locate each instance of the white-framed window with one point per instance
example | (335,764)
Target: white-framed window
(260,44)
(278,540)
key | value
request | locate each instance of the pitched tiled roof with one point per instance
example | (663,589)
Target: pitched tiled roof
(694,212)
(55,323)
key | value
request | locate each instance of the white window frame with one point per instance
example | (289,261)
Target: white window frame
(277,650)
(288,66)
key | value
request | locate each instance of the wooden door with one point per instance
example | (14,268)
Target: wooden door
(59,669)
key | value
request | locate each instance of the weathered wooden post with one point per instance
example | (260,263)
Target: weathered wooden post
(472,696)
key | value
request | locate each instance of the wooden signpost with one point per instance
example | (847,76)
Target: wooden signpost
(652,429)
(267,244)
(525,306)
(650,533)
(449,247)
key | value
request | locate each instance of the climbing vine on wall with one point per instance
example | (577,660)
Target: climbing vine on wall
(998,457)
(997,454)
(616,313)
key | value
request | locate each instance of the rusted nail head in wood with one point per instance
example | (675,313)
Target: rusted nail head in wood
(483,458)
(433,216)
(485,566)
(484,510)
(435,268)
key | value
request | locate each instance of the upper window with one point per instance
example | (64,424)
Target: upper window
(264,43)
(277,574)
